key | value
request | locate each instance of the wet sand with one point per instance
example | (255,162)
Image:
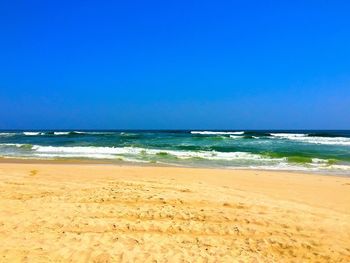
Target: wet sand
(110,213)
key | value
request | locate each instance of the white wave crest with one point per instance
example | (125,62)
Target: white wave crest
(217,132)
(80,132)
(314,139)
(289,135)
(56,133)
(12,144)
(61,133)
(235,137)
(71,132)
(32,133)
(82,149)
(327,140)
(94,152)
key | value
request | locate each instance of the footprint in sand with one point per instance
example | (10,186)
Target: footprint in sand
(33,172)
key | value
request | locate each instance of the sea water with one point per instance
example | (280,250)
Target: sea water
(314,151)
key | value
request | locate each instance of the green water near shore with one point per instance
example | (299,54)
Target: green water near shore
(281,150)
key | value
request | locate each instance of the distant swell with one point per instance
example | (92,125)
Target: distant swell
(217,132)
(7,134)
(62,133)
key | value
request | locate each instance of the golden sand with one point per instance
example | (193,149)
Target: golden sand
(106,213)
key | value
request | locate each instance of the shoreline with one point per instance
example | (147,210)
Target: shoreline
(71,161)
(266,177)
(109,213)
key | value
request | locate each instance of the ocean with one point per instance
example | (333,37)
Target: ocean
(313,151)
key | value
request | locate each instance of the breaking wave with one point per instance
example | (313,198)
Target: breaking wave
(113,151)
(306,138)
(217,132)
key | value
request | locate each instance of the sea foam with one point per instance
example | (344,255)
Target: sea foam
(96,152)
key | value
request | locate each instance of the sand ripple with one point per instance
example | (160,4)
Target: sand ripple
(140,219)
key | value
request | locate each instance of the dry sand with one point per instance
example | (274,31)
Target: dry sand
(106,213)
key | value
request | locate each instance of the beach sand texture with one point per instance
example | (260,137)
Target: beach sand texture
(106,213)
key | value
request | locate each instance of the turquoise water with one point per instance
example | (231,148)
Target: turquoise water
(319,151)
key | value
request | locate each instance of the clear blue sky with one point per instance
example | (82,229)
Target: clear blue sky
(175,64)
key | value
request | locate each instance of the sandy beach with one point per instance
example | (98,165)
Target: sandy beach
(109,213)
